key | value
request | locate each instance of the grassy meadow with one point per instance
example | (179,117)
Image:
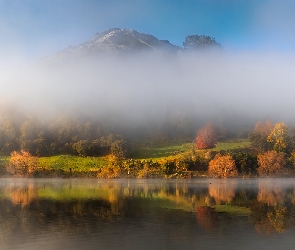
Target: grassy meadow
(158,151)
(233,145)
(146,159)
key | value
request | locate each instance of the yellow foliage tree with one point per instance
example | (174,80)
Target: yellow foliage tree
(271,163)
(22,163)
(222,167)
(112,170)
(279,137)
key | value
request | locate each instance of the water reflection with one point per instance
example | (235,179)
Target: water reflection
(169,211)
(207,218)
(223,191)
(271,193)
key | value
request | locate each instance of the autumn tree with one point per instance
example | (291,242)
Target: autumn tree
(22,163)
(279,137)
(206,137)
(271,163)
(222,167)
(258,136)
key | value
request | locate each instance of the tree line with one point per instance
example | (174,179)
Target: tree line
(58,135)
(272,151)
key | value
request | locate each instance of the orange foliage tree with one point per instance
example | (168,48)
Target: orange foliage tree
(222,167)
(206,137)
(271,163)
(264,129)
(22,163)
(258,136)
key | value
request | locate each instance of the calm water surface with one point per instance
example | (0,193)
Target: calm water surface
(147,214)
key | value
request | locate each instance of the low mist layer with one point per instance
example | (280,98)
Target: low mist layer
(147,90)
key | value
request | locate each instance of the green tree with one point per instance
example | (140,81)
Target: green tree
(245,162)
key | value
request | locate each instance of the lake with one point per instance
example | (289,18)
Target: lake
(147,214)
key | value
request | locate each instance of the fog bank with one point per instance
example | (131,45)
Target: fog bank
(147,87)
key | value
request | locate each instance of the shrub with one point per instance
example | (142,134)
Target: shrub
(222,167)
(22,163)
(113,170)
(271,163)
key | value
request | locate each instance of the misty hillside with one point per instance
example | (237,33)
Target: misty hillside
(118,41)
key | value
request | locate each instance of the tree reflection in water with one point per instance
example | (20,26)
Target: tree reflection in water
(271,213)
(207,218)
(86,207)
(21,195)
(223,191)
(271,193)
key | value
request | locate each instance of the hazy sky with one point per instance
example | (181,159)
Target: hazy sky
(253,77)
(36,28)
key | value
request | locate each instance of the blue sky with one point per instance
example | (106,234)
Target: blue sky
(39,27)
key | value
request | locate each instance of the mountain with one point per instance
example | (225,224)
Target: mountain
(125,41)
(196,42)
(116,41)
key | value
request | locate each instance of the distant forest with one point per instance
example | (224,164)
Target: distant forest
(98,136)
(85,136)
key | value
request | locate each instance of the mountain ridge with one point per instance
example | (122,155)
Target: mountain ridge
(122,41)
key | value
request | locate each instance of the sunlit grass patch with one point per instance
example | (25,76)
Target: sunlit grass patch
(238,144)
(73,163)
(160,151)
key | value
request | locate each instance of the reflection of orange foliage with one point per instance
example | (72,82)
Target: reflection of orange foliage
(207,218)
(264,227)
(270,193)
(22,195)
(222,192)
(222,166)
(278,218)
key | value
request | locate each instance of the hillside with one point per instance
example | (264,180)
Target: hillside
(121,41)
